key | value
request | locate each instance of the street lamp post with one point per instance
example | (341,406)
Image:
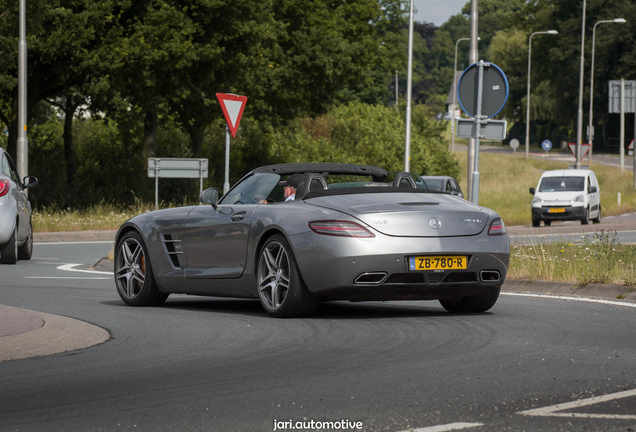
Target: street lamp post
(617,20)
(409,73)
(454,106)
(579,114)
(22,144)
(553,32)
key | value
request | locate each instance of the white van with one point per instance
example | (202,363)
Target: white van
(568,194)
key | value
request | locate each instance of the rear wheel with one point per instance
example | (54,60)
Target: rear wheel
(472,304)
(536,223)
(26,250)
(133,273)
(9,250)
(597,219)
(585,220)
(282,292)
(547,223)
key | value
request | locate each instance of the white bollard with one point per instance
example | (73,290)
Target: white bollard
(618,197)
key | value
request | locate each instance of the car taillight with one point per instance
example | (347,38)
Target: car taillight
(340,228)
(497,227)
(4,187)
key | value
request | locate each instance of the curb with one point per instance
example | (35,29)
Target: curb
(75,236)
(571,289)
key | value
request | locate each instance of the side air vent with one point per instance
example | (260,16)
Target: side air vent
(171,249)
(418,203)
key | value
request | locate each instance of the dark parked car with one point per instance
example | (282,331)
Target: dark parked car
(444,184)
(348,235)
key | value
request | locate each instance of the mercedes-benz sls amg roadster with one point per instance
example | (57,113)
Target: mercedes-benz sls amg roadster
(347,235)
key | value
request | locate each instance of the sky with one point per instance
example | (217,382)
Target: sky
(437,11)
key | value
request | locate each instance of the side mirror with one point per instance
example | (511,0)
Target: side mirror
(29,182)
(532,191)
(593,189)
(209,196)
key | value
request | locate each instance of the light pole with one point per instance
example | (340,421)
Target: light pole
(453,108)
(553,32)
(579,114)
(22,144)
(617,20)
(409,74)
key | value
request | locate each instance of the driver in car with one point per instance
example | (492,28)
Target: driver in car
(292,185)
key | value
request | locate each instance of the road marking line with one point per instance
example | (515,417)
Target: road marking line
(76,242)
(551,411)
(446,427)
(60,277)
(581,299)
(69,267)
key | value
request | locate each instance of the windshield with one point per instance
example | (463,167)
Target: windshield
(254,190)
(562,184)
(434,184)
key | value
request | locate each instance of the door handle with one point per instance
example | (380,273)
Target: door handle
(238,217)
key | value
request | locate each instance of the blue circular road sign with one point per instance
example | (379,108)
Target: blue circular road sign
(494,90)
(546,145)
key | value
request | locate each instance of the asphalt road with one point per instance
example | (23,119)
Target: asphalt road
(206,364)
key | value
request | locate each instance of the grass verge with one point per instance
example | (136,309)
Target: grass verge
(600,259)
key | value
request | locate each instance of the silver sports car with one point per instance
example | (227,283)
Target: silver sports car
(347,235)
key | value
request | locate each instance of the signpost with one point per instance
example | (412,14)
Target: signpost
(622,99)
(176,168)
(232,106)
(546,145)
(482,92)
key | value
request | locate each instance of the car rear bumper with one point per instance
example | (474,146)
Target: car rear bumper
(569,213)
(378,268)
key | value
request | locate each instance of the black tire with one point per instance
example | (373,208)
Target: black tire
(133,273)
(26,250)
(9,250)
(472,304)
(597,219)
(585,220)
(282,292)
(536,223)
(547,223)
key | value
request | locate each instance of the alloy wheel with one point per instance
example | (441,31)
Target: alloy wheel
(130,268)
(273,275)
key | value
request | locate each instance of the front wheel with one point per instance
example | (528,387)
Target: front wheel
(133,273)
(9,250)
(586,215)
(472,304)
(282,292)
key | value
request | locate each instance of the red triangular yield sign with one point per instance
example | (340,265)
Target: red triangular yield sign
(232,106)
(584,149)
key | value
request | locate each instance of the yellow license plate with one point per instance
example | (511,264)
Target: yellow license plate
(556,210)
(438,262)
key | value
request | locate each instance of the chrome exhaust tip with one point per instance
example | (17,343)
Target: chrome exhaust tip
(374,278)
(489,276)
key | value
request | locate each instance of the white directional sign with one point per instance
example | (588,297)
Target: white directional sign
(615,97)
(232,106)
(176,168)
